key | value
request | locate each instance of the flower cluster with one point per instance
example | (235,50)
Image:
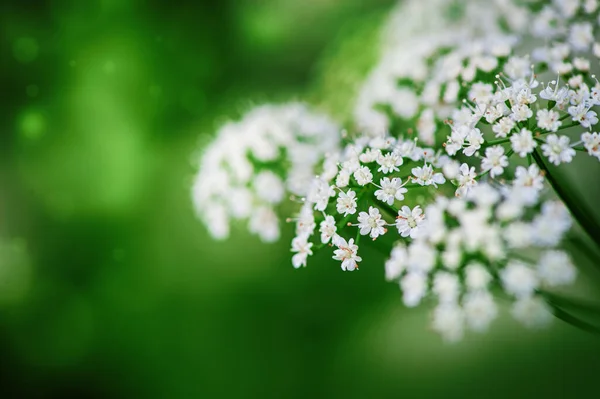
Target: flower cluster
(492,239)
(473,97)
(248,168)
(359,193)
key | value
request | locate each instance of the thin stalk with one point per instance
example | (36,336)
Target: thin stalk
(588,225)
(574,321)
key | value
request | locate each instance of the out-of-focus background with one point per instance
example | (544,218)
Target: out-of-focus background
(110,288)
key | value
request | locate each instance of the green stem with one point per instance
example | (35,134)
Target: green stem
(574,321)
(582,217)
(494,142)
(563,302)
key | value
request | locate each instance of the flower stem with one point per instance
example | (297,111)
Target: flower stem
(574,321)
(590,227)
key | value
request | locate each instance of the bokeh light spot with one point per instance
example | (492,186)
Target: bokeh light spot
(32,124)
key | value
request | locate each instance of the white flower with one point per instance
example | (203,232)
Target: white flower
(448,320)
(343,178)
(583,115)
(503,127)
(477,277)
(425,176)
(551,224)
(303,249)
(557,149)
(320,193)
(390,190)
(529,177)
(389,162)
(446,286)
(269,187)
(347,253)
(305,224)
(370,155)
(371,223)
(495,161)
(474,140)
(363,176)
(523,142)
(480,309)
(327,228)
(264,222)
(408,221)
(465,180)
(591,142)
(555,268)
(521,112)
(346,203)
(518,234)
(532,312)
(519,279)
(414,287)
(451,169)
(396,264)
(548,120)
(581,36)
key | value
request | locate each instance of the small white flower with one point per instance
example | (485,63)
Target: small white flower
(474,140)
(370,155)
(389,162)
(346,203)
(523,143)
(548,120)
(448,320)
(343,178)
(557,149)
(302,247)
(529,177)
(347,253)
(371,223)
(363,176)
(269,187)
(451,169)
(328,229)
(408,221)
(583,115)
(519,279)
(555,268)
(414,287)
(480,309)
(495,161)
(396,264)
(446,286)
(390,190)
(319,194)
(591,142)
(425,176)
(581,36)
(532,312)
(264,222)
(465,180)
(518,234)
(521,112)
(477,277)
(503,127)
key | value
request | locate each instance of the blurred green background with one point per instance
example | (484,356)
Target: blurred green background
(109,287)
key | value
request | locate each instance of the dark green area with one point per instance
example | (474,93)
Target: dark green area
(109,287)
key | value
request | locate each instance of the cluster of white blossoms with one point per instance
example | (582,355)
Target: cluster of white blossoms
(251,165)
(493,239)
(455,126)
(361,192)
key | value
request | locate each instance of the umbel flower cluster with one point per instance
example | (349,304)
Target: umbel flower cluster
(456,131)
